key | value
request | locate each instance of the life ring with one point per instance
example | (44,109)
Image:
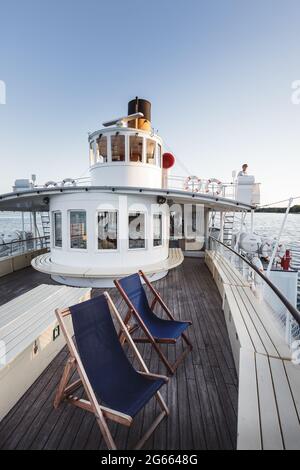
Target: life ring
(214,180)
(50,183)
(68,181)
(192,183)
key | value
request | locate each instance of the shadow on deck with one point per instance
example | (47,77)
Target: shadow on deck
(202,396)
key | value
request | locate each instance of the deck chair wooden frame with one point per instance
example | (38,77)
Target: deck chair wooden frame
(65,391)
(132,312)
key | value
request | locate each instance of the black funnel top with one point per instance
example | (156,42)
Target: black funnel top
(140,106)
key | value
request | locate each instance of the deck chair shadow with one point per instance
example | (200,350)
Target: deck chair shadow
(115,389)
(156,330)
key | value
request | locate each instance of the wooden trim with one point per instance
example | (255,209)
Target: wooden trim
(63,382)
(157,340)
(154,376)
(150,431)
(72,387)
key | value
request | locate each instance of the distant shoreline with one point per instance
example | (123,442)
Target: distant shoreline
(279,210)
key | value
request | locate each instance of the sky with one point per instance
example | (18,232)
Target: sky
(219,74)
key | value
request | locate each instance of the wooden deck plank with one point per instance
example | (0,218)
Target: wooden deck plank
(202,395)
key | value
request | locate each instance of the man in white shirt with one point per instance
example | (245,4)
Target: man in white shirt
(243,172)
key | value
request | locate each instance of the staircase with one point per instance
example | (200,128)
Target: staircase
(228,228)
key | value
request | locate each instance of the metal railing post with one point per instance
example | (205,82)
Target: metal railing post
(279,237)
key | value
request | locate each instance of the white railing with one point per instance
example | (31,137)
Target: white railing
(18,247)
(202,186)
(179,183)
(285,315)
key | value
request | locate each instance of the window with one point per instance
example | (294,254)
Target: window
(57,222)
(118,148)
(137,230)
(102,149)
(157,230)
(136,148)
(159,155)
(107,230)
(92,160)
(150,156)
(78,234)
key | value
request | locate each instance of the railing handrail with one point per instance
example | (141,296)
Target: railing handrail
(293,311)
(44,237)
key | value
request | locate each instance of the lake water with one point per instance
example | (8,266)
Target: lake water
(10,221)
(264,224)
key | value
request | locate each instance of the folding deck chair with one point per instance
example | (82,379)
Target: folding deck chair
(157,330)
(104,370)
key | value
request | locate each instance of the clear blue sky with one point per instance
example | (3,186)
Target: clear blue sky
(218,73)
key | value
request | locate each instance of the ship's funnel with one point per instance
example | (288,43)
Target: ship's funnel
(140,106)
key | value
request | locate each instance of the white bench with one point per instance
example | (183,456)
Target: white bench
(223,272)
(45,264)
(30,339)
(269,383)
(251,325)
(269,403)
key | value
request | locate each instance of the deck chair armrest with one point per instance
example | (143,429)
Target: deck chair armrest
(154,376)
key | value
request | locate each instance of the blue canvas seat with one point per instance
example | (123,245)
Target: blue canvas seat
(114,380)
(159,328)
(156,329)
(115,389)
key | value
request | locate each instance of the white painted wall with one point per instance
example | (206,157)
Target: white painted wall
(126,174)
(92,202)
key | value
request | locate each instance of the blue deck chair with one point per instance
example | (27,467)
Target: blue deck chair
(115,389)
(156,330)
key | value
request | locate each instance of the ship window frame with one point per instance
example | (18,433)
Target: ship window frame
(136,136)
(69,230)
(108,250)
(130,213)
(112,137)
(105,158)
(160,215)
(54,213)
(154,153)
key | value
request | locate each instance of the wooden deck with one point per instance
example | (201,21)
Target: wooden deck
(202,396)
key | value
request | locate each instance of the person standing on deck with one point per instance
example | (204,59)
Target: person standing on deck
(243,172)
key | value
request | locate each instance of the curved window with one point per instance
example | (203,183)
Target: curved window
(137,233)
(157,230)
(107,230)
(102,149)
(150,155)
(57,232)
(78,232)
(118,148)
(136,148)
